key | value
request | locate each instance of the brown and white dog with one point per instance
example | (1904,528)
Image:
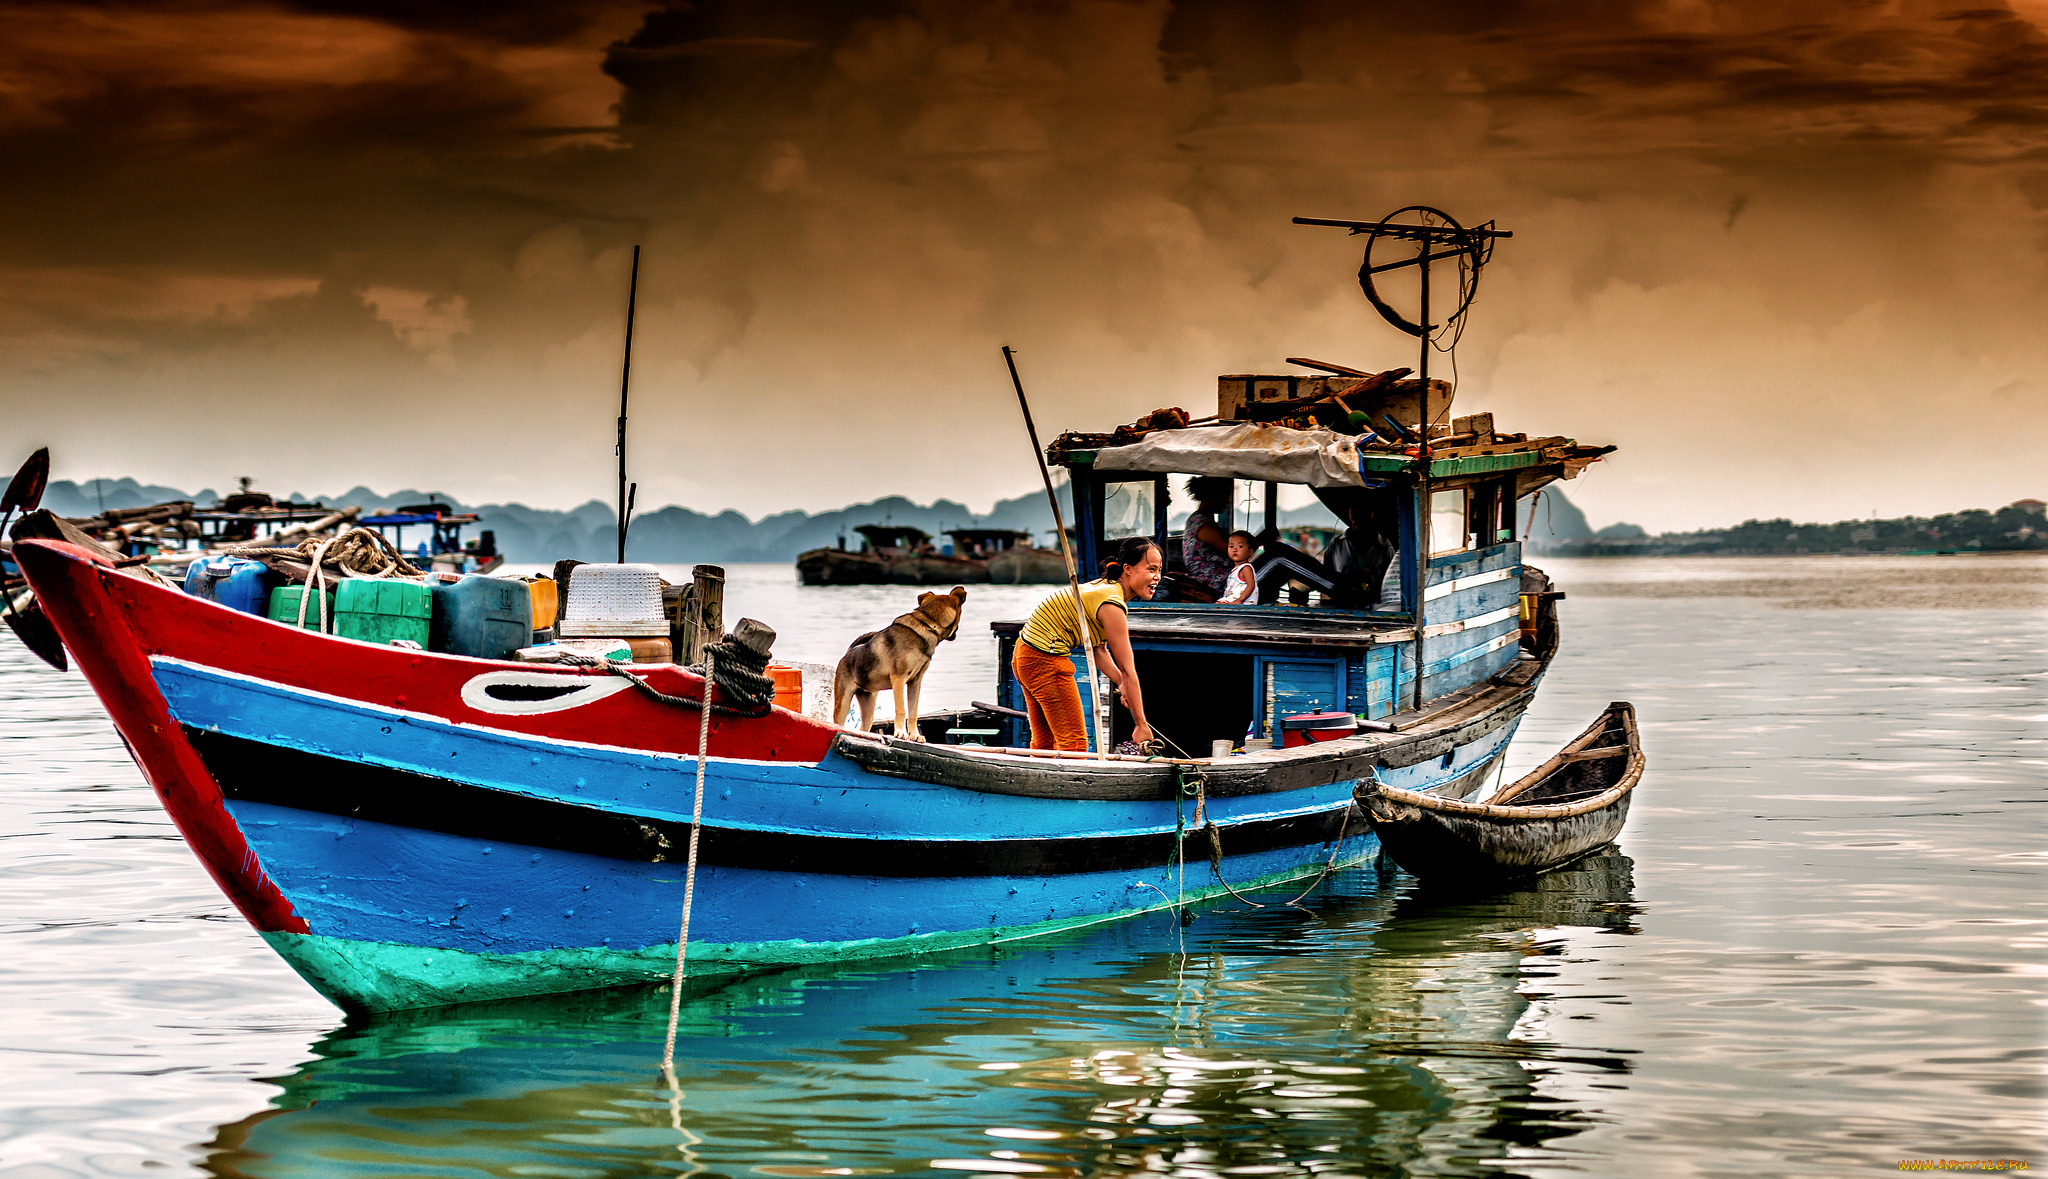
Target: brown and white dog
(896,657)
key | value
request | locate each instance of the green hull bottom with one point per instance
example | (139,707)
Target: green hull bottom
(363,976)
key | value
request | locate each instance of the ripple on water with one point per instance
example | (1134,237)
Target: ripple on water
(1821,950)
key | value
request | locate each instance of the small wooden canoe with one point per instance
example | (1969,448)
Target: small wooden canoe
(1570,805)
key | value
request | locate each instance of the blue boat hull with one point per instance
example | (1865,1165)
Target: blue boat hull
(436,863)
(410,829)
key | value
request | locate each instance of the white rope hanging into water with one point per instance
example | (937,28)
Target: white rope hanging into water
(675,993)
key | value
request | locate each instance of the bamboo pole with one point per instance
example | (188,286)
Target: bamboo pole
(1067,552)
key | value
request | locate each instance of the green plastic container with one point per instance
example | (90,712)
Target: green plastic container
(284,607)
(379,611)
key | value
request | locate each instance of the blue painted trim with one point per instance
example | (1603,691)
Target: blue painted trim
(832,797)
(430,888)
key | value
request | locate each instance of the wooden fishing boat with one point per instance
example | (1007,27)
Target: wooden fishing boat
(408,828)
(1572,804)
(889,554)
(901,555)
(443,549)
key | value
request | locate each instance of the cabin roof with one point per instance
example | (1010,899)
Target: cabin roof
(891,535)
(1321,457)
(419,518)
(987,533)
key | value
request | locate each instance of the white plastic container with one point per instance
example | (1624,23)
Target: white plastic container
(613,601)
(615,650)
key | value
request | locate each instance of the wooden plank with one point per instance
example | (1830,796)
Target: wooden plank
(1595,754)
(1444,589)
(1482,464)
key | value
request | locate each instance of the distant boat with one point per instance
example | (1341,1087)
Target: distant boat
(171,535)
(1011,557)
(898,554)
(444,549)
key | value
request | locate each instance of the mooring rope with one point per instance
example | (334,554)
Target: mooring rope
(1336,848)
(722,678)
(675,993)
(1203,820)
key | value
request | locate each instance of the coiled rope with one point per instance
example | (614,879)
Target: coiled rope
(741,673)
(361,552)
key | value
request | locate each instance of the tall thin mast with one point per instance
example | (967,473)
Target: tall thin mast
(626,492)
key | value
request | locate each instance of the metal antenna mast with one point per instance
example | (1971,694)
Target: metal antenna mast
(1438,238)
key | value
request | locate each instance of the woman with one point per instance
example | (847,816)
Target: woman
(1042,663)
(1202,543)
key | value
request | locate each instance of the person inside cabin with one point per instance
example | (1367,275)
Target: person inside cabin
(1243,583)
(1202,543)
(1352,569)
(1043,662)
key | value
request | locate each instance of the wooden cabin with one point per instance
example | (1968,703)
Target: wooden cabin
(1214,672)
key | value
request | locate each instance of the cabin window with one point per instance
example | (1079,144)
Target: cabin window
(1447,522)
(1128,509)
(1492,522)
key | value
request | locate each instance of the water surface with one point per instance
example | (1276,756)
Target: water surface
(1817,950)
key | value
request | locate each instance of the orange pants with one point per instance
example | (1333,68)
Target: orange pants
(1051,699)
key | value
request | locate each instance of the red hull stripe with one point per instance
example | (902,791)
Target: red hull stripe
(75,589)
(114,623)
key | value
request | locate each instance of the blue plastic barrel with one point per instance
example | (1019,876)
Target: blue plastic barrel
(488,617)
(238,582)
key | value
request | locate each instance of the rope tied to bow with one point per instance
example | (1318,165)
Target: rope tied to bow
(741,673)
(737,663)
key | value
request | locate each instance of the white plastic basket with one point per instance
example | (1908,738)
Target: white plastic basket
(614,601)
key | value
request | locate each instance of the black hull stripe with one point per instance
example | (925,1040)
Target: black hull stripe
(252,771)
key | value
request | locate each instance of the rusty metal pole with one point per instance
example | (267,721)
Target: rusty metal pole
(1422,477)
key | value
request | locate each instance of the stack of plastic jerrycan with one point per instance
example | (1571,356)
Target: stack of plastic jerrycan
(380,610)
(284,607)
(618,601)
(480,615)
(236,582)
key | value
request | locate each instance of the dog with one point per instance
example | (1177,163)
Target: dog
(896,657)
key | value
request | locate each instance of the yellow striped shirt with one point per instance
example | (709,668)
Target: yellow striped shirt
(1051,627)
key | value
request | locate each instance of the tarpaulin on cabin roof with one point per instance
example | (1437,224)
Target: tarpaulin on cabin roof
(1244,450)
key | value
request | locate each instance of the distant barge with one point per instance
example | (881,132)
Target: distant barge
(902,555)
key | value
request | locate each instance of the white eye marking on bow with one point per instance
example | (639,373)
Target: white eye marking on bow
(525,693)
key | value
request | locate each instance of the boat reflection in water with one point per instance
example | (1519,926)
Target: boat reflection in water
(1368,1029)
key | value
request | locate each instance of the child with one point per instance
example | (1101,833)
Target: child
(1243,585)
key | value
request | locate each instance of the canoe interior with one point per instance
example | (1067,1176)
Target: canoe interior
(1574,803)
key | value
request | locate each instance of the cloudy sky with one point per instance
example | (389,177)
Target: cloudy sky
(1789,255)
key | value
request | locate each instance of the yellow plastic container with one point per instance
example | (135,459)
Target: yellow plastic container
(545,601)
